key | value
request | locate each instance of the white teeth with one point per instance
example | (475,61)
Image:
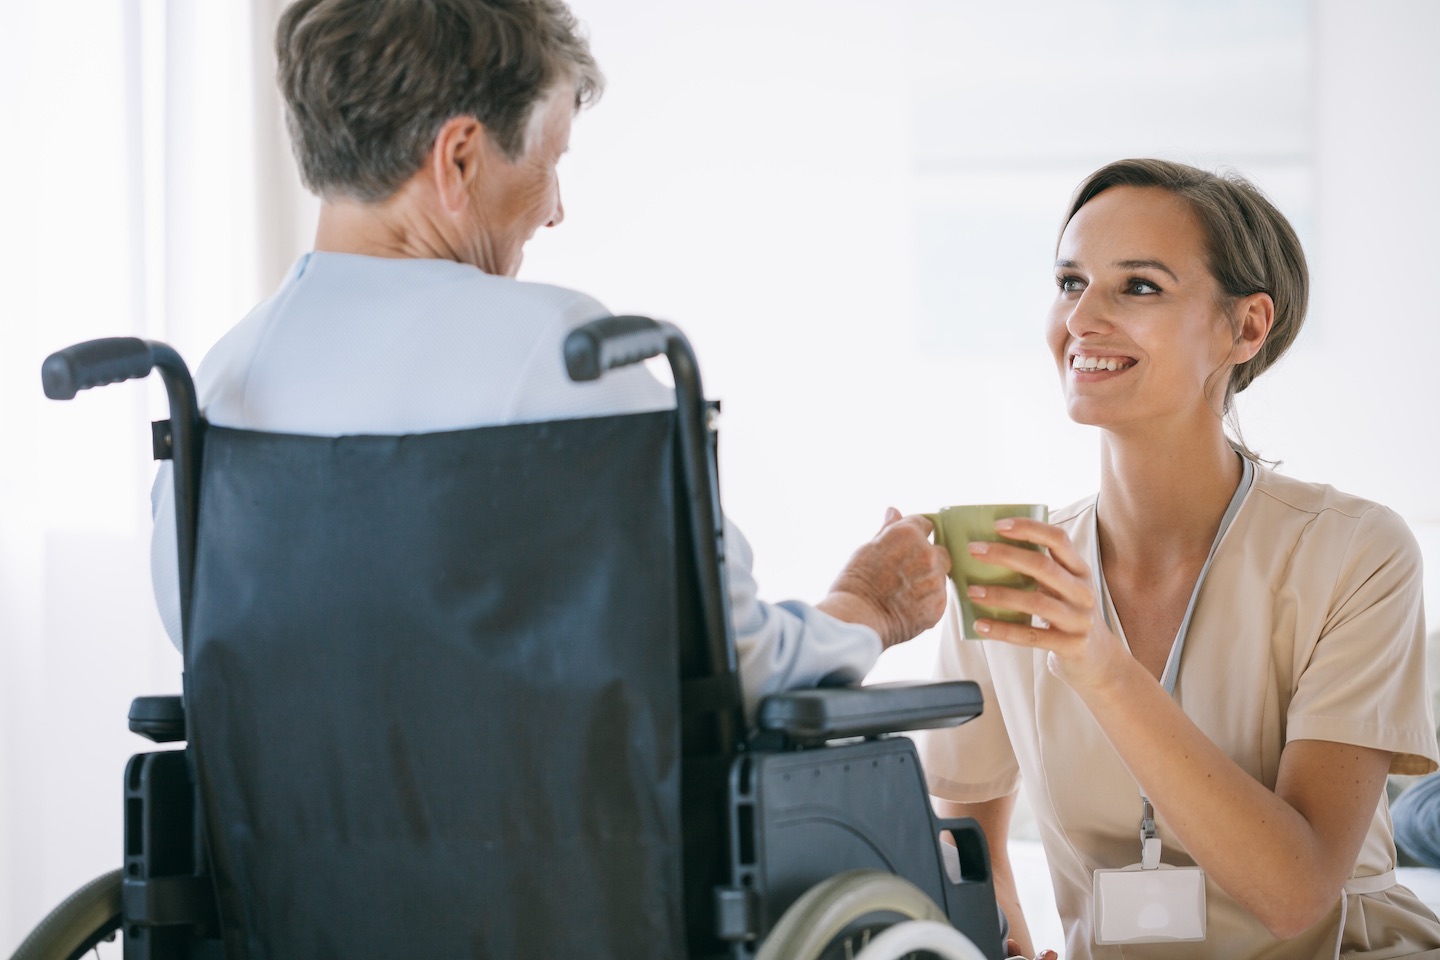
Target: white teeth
(1096,363)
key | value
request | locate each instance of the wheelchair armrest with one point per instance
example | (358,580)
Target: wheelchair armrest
(161,719)
(812,716)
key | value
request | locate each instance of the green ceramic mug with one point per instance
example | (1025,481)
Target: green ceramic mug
(955,527)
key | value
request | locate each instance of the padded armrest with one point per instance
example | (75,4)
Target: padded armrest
(830,713)
(161,719)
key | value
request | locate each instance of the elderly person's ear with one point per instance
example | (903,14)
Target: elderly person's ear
(460,152)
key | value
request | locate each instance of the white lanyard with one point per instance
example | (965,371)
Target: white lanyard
(1149,842)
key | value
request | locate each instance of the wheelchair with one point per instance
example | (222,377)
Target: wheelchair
(474,694)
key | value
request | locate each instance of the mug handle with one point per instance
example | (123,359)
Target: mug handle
(934,519)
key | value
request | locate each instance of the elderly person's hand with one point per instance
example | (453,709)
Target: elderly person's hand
(1013,952)
(895,583)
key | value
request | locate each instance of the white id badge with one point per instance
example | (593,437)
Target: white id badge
(1159,905)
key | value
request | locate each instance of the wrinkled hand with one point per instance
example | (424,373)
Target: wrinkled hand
(1012,951)
(1083,650)
(895,583)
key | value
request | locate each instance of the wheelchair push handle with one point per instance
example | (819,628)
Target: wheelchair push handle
(95,363)
(613,342)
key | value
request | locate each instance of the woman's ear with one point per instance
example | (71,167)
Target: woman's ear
(455,161)
(1256,317)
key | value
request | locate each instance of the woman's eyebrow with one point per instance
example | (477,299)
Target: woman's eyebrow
(1123,265)
(1142,264)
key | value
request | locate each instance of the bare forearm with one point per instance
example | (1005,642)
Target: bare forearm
(1284,853)
(1254,843)
(1007,897)
(852,609)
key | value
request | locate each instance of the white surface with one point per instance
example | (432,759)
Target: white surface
(1037,895)
(1424,882)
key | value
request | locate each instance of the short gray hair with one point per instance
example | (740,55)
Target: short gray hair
(369,83)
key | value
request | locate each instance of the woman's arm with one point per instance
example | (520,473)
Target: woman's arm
(1284,855)
(994,818)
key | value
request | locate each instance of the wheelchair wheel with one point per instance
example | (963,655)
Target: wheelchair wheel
(921,936)
(830,919)
(88,917)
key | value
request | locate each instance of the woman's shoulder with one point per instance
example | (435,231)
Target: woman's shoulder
(1283,494)
(1318,511)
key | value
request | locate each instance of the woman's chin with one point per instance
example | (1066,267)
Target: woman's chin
(1084,411)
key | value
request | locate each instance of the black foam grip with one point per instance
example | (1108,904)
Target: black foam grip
(94,363)
(612,342)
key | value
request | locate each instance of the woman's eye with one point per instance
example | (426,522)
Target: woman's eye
(1069,284)
(1141,287)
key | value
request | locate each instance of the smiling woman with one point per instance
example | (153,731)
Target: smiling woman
(1130,332)
(1215,246)
(1301,607)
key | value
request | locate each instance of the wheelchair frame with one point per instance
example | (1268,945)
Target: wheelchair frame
(774,780)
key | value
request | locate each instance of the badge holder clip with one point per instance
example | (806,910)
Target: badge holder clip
(1149,842)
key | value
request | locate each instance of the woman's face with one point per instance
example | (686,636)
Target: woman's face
(1137,330)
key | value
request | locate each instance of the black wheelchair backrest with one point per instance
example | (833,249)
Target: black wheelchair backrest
(434,677)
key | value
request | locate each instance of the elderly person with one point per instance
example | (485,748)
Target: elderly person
(431,130)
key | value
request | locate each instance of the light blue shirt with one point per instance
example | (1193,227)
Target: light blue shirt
(352,344)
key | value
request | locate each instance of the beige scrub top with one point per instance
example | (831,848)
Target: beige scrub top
(1309,626)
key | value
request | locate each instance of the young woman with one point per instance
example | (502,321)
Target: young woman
(1257,760)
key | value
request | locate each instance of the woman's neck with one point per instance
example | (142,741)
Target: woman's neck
(1161,500)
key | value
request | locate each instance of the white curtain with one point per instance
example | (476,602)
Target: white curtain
(149,193)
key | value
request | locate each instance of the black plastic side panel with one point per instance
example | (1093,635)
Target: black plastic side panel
(974,896)
(800,817)
(167,908)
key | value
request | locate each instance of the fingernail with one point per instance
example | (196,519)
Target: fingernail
(1006,524)
(976,592)
(979,546)
(982,626)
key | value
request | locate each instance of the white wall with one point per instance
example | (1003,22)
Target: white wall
(1357,403)
(778,212)
(770,176)
(1370,400)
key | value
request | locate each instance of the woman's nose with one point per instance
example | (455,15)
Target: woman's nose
(1087,315)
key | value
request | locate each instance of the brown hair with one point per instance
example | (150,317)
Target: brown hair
(1250,248)
(369,83)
